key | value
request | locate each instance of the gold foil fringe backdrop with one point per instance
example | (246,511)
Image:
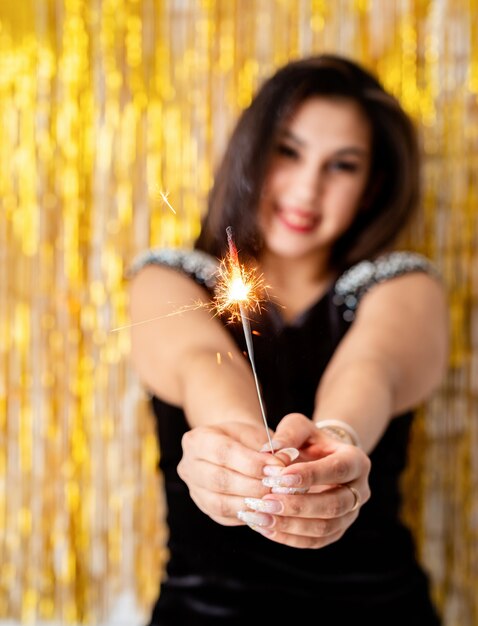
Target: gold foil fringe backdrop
(106,103)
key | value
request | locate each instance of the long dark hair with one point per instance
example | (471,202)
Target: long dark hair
(393,189)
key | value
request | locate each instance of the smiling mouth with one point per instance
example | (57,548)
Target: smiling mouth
(298,221)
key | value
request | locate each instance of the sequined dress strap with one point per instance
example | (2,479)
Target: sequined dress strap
(354,283)
(195,263)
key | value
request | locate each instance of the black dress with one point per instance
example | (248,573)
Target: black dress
(230,575)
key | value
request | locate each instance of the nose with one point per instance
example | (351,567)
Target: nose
(308,185)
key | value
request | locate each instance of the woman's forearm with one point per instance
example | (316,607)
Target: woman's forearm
(217,389)
(391,360)
(360,395)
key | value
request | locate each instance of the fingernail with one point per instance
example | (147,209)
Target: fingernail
(292,453)
(265,506)
(276,445)
(285,480)
(267,532)
(290,491)
(272,470)
(256,519)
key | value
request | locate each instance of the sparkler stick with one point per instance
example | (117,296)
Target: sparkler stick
(237,277)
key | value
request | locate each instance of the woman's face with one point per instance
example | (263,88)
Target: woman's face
(316,179)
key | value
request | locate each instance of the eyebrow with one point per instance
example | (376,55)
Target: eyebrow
(352,150)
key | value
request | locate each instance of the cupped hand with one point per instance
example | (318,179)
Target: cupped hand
(311,502)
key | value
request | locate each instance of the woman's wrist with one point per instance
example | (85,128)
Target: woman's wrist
(340,430)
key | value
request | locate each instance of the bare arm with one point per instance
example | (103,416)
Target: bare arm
(176,354)
(392,358)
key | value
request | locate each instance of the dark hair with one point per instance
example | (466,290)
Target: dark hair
(393,187)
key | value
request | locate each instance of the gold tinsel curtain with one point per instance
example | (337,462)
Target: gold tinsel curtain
(103,105)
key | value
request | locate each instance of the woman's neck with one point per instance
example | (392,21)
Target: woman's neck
(295,284)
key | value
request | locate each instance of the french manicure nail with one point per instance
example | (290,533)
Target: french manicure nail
(267,532)
(292,453)
(285,480)
(290,491)
(276,445)
(265,506)
(256,519)
(272,470)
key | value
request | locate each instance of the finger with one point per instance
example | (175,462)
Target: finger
(222,509)
(294,430)
(315,532)
(214,447)
(357,500)
(315,528)
(330,504)
(299,540)
(346,464)
(251,435)
(285,454)
(220,480)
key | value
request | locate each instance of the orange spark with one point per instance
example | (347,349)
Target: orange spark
(237,287)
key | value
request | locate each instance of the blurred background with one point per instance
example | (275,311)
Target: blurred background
(104,104)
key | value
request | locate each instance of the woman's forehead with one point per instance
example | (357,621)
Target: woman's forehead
(316,118)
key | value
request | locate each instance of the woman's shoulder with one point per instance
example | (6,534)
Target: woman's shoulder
(196,264)
(358,279)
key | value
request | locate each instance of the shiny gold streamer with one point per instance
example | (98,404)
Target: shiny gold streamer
(103,105)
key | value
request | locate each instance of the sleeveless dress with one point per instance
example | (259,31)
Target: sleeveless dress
(229,575)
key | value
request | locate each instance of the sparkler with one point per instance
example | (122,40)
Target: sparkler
(239,287)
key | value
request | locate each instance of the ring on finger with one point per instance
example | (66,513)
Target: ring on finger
(356,495)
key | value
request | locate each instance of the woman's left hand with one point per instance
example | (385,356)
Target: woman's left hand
(314,500)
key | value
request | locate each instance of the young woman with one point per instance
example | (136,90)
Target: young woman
(319,179)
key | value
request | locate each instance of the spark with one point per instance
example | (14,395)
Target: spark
(164,197)
(238,287)
(187,307)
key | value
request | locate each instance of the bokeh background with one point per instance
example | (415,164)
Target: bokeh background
(104,104)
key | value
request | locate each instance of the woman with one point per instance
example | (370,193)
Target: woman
(319,180)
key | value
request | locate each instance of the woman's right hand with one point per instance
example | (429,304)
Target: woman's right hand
(222,464)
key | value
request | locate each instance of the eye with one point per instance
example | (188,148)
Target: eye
(344,166)
(287,151)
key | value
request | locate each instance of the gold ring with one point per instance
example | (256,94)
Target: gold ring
(356,495)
